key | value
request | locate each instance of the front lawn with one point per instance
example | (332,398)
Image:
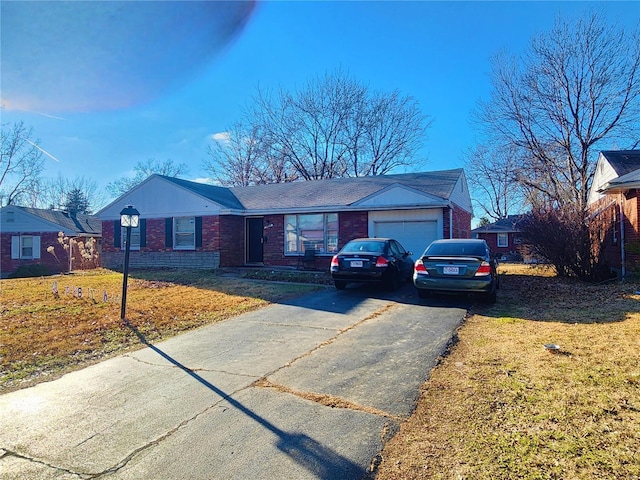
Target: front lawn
(49,325)
(501,406)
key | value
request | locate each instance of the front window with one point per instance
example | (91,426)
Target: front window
(135,237)
(503,239)
(184,233)
(318,231)
(26,247)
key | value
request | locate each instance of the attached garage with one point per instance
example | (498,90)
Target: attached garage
(413,229)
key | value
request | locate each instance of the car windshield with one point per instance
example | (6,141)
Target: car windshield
(371,247)
(456,249)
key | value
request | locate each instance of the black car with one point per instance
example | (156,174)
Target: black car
(457,265)
(381,260)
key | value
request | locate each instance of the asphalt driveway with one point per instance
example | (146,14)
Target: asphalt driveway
(310,389)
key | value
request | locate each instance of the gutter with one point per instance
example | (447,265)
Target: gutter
(623,270)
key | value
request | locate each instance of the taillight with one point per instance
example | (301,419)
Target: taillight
(382,262)
(334,261)
(419,268)
(485,269)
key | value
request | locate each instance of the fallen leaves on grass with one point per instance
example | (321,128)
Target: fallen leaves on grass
(500,406)
(44,334)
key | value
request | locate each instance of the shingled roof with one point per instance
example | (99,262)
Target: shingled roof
(221,195)
(78,223)
(322,193)
(504,225)
(623,161)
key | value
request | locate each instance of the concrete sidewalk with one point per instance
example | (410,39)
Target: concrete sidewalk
(305,390)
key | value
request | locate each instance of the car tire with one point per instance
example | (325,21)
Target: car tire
(340,284)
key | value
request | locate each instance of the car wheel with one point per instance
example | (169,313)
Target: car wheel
(340,284)
(423,293)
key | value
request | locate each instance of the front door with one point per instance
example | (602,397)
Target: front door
(254,240)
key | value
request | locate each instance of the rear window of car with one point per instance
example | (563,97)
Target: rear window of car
(371,247)
(456,249)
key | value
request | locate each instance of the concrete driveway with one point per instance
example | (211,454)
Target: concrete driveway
(310,389)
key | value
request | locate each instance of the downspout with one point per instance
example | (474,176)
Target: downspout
(450,221)
(622,252)
(70,254)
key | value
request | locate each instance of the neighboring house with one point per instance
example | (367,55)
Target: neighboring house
(502,236)
(27,233)
(195,225)
(615,205)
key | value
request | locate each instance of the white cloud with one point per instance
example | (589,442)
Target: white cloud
(207,180)
(222,137)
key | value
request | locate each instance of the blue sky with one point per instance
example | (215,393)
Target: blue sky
(172,99)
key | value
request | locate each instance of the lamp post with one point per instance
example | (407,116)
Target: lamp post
(129,218)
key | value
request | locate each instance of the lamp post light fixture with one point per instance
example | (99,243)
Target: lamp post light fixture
(129,218)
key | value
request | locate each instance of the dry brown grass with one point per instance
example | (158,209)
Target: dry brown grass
(500,406)
(43,334)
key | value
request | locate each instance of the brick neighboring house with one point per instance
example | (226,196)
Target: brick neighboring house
(615,204)
(502,236)
(27,233)
(194,225)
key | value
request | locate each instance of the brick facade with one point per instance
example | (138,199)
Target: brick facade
(224,241)
(606,221)
(228,237)
(512,247)
(461,222)
(350,225)
(154,252)
(57,262)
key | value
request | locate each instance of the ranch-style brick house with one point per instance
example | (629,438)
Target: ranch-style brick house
(502,236)
(26,235)
(184,224)
(615,204)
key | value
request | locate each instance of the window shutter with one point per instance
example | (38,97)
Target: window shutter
(198,232)
(168,232)
(15,247)
(116,234)
(36,247)
(143,232)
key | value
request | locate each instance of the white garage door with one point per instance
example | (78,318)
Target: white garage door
(413,235)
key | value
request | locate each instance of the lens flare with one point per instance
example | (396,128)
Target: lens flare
(73,56)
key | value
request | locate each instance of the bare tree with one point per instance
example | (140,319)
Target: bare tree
(240,157)
(393,130)
(574,87)
(80,192)
(145,169)
(333,127)
(233,157)
(21,165)
(492,176)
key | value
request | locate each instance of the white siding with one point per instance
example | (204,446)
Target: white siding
(460,194)
(604,174)
(159,198)
(24,222)
(399,196)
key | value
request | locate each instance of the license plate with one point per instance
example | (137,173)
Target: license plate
(356,263)
(450,270)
